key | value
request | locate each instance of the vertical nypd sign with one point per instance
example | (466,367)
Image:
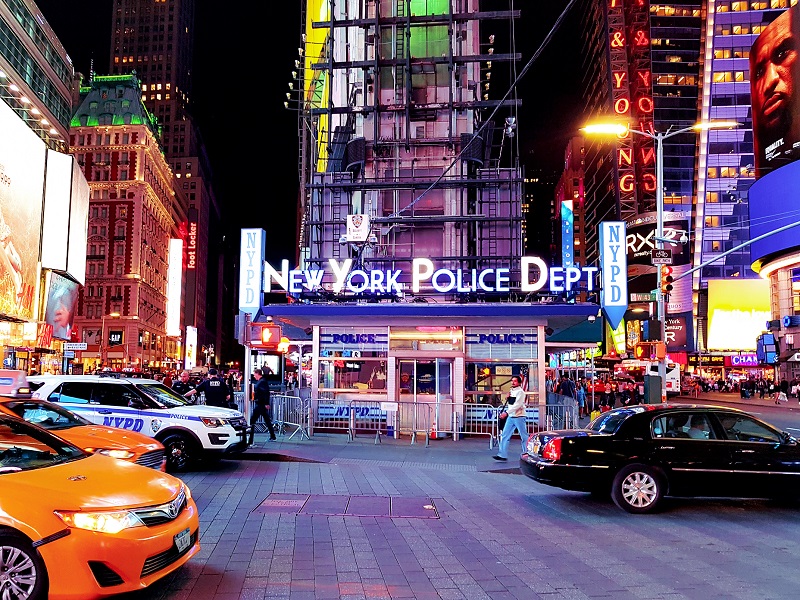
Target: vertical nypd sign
(251,268)
(613,258)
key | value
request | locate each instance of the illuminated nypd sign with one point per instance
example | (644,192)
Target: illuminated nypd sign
(535,274)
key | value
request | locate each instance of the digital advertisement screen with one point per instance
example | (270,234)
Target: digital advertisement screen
(62,300)
(775,93)
(737,311)
(774,203)
(22,156)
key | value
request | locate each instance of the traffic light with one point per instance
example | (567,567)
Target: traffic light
(666,279)
(265,335)
(644,350)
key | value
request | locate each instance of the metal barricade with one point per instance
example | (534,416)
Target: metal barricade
(290,411)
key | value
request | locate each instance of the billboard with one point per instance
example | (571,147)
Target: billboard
(55,221)
(22,158)
(642,274)
(774,94)
(737,311)
(174,275)
(774,202)
(62,300)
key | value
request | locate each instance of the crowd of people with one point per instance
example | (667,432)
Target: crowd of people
(604,394)
(753,387)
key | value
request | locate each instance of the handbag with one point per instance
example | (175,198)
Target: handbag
(502,416)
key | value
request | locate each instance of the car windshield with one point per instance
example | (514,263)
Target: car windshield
(609,422)
(24,447)
(45,414)
(163,395)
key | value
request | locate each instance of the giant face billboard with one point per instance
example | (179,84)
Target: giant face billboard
(62,299)
(775,97)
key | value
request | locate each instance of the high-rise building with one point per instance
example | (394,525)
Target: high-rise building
(43,195)
(155,40)
(122,310)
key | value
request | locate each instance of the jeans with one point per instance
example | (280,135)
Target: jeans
(261,410)
(512,424)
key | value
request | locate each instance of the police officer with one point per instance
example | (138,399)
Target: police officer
(262,407)
(184,386)
(216,390)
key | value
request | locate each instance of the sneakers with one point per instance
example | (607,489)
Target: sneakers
(498,457)
(273,439)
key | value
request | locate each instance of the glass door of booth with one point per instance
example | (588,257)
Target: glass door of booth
(426,393)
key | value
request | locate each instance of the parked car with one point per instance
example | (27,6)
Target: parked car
(640,454)
(112,441)
(187,431)
(81,525)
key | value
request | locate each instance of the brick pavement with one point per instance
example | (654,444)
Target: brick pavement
(497,535)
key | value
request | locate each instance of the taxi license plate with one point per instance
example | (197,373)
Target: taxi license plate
(537,444)
(183,540)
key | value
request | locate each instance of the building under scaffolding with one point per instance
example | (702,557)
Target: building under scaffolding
(396,124)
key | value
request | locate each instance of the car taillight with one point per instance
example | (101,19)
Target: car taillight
(552,449)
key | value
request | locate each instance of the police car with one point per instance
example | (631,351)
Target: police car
(188,432)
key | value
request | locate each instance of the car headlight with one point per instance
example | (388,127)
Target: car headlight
(123,454)
(213,421)
(102,521)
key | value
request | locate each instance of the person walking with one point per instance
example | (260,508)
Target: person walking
(216,390)
(515,421)
(261,409)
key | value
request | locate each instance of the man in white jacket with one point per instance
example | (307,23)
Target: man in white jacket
(515,420)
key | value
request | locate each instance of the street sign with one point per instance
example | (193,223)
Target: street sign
(661,256)
(69,353)
(75,346)
(643,297)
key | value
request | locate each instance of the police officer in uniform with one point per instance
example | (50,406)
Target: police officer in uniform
(215,389)
(185,387)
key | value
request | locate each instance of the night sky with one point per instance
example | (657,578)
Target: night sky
(242,72)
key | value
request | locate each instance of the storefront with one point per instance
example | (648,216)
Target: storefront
(453,358)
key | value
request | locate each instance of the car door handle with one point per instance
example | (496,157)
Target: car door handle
(104,411)
(666,447)
(745,451)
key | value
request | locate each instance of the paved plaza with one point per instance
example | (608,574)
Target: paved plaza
(329,518)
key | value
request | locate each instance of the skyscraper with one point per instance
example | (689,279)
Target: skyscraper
(156,41)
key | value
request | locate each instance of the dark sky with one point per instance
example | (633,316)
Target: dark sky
(241,76)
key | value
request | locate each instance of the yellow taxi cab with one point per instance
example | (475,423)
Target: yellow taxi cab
(119,443)
(80,525)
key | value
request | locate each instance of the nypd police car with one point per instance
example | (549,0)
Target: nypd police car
(187,431)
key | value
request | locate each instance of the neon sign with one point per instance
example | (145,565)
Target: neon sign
(535,274)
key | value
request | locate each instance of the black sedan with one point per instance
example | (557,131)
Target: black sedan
(639,454)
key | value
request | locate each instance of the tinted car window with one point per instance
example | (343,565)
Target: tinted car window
(79,392)
(745,429)
(49,416)
(113,395)
(163,394)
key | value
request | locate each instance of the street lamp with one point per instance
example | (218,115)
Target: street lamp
(621,130)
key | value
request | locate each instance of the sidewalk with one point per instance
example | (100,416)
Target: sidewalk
(469,453)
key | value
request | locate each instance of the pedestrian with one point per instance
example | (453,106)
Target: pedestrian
(167,381)
(215,389)
(184,386)
(581,393)
(261,397)
(516,419)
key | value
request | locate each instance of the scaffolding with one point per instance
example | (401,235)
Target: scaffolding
(395,124)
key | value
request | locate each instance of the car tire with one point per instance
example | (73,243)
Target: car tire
(638,488)
(180,451)
(25,575)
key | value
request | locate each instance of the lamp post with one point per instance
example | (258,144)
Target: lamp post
(622,129)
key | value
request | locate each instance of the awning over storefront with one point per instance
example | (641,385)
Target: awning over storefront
(567,323)
(790,355)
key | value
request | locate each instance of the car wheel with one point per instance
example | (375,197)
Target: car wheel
(638,489)
(23,573)
(180,451)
